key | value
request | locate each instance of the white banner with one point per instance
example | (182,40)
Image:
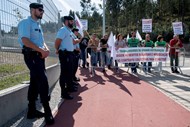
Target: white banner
(177,28)
(141,54)
(84,24)
(146,25)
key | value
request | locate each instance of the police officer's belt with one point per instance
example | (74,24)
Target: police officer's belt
(27,50)
(65,52)
(76,51)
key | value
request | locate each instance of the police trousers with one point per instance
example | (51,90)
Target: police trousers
(75,63)
(66,76)
(38,79)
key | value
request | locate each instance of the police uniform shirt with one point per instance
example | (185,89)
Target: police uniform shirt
(30,29)
(76,46)
(65,34)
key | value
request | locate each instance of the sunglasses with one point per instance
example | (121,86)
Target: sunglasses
(41,10)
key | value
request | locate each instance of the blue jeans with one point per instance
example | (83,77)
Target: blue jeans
(133,67)
(93,58)
(83,57)
(104,59)
(174,59)
(145,66)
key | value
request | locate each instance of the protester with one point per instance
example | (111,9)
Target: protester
(83,45)
(175,44)
(93,45)
(133,42)
(104,53)
(147,43)
(160,43)
(120,43)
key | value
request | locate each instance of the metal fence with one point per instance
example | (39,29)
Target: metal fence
(11,13)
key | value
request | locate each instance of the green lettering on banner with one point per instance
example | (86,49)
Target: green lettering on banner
(144,50)
(123,51)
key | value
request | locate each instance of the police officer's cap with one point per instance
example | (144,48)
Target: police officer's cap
(75,29)
(36,5)
(68,18)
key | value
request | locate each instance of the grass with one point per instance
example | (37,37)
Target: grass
(8,69)
(11,73)
(13,80)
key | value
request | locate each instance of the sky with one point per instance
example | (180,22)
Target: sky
(66,5)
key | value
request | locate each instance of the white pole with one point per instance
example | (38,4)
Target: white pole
(103,17)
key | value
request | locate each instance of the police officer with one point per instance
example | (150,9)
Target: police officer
(35,51)
(64,47)
(76,41)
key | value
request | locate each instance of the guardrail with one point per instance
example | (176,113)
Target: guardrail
(13,100)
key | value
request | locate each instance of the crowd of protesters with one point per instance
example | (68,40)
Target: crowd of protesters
(99,51)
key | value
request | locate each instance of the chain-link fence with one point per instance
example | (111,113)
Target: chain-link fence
(12,67)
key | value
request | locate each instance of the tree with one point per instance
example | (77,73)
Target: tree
(86,8)
(113,8)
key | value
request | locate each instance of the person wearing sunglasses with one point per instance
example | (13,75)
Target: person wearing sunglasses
(35,50)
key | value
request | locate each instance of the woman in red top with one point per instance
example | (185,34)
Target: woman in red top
(175,44)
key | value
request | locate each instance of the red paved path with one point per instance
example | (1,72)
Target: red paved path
(119,100)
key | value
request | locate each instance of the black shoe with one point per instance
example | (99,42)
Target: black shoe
(103,70)
(73,89)
(34,114)
(48,115)
(109,66)
(149,71)
(67,96)
(176,71)
(172,69)
(49,119)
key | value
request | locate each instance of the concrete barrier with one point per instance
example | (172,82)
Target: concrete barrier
(14,100)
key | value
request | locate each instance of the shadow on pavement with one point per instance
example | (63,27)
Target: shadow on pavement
(65,115)
(115,78)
